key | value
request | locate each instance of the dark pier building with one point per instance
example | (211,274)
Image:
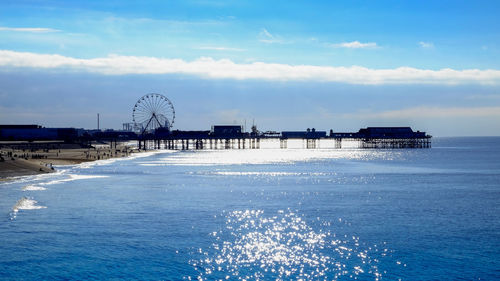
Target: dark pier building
(385,137)
(232,137)
(311,137)
(220,137)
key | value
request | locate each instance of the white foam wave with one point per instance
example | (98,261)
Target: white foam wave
(33,188)
(32,178)
(26,203)
(84,177)
(73,177)
(87,165)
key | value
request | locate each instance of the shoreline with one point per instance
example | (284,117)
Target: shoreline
(15,162)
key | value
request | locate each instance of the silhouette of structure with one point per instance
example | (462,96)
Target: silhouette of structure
(153,116)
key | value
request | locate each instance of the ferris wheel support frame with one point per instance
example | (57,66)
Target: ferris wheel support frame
(150,119)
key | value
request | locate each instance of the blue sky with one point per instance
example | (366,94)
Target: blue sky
(337,65)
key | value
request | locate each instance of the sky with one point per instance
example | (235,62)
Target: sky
(283,65)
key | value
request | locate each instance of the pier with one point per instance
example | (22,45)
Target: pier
(232,137)
(155,126)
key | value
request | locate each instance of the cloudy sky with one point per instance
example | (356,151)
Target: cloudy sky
(285,65)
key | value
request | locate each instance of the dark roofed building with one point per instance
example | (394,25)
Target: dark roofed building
(390,132)
(226,130)
(20,126)
(190,134)
(35,132)
(309,134)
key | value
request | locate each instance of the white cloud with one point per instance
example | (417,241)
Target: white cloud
(266,37)
(215,48)
(355,45)
(426,45)
(226,69)
(29,29)
(432,112)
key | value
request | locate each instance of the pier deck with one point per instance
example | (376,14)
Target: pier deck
(370,138)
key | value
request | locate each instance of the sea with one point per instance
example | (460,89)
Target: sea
(261,214)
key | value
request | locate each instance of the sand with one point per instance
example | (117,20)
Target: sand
(16,162)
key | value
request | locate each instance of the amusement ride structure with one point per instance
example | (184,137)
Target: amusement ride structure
(152,112)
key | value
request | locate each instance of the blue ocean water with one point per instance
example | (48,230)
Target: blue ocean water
(324,214)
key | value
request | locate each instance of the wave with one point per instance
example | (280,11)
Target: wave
(73,177)
(26,203)
(86,165)
(33,188)
(32,178)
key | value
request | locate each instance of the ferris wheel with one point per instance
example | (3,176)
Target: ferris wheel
(153,111)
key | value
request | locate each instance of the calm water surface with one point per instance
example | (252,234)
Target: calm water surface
(263,214)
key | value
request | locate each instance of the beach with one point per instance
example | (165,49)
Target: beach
(23,159)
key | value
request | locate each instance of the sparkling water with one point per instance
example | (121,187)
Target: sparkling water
(268,214)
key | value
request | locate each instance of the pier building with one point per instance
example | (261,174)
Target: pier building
(231,137)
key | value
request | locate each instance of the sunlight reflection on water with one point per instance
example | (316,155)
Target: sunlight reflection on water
(265,156)
(255,246)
